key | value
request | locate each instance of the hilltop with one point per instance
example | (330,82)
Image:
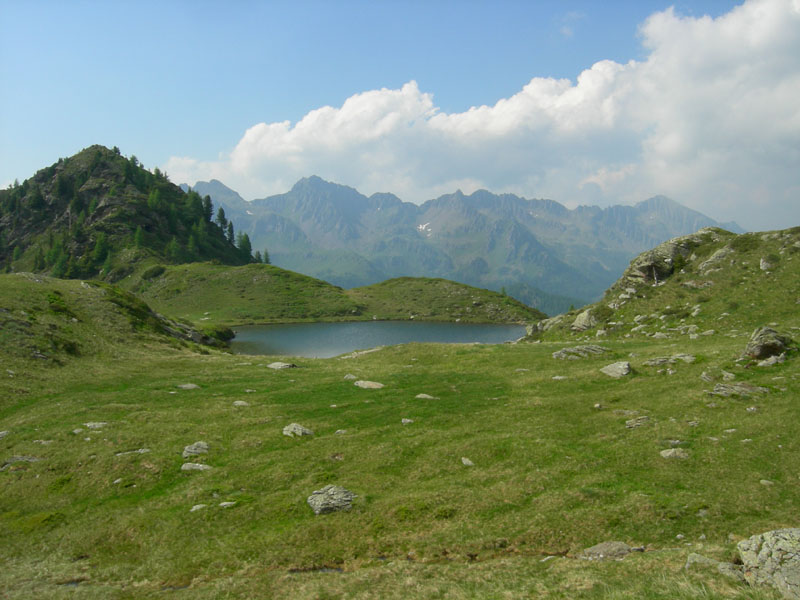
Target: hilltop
(99,214)
(221,295)
(709,281)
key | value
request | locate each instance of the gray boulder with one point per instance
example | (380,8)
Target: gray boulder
(331,498)
(773,558)
(368,385)
(195,467)
(583,321)
(281,365)
(608,551)
(766,342)
(576,352)
(296,430)
(195,449)
(678,453)
(745,390)
(617,369)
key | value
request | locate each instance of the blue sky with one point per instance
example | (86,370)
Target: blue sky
(416,98)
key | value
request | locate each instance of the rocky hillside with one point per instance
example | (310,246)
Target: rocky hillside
(708,283)
(98,213)
(538,250)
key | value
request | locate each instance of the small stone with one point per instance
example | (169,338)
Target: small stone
(281,365)
(296,430)
(608,551)
(195,449)
(559,377)
(597,406)
(772,360)
(751,409)
(350,377)
(331,498)
(241,403)
(118,480)
(195,467)
(3,434)
(340,432)
(78,430)
(197,507)
(708,332)
(637,422)
(368,385)
(249,391)
(467,462)
(766,482)
(680,536)
(617,369)
(188,386)
(129,452)
(227,504)
(677,453)
(406,421)
(425,397)
(95,424)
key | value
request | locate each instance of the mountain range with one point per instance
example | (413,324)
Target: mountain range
(536,250)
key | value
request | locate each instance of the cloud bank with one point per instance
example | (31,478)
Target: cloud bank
(711,118)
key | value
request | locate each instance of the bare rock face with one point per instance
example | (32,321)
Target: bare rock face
(331,498)
(773,558)
(766,342)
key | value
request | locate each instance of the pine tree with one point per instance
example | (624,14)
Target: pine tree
(138,237)
(221,220)
(245,247)
(173,250)
(230,232)
(266,257)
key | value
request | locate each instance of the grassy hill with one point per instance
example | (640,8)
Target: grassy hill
(106,512)
(711,280)
(440,299)
(217,294)
(98,214)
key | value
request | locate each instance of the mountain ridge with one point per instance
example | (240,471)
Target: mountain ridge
(540,251)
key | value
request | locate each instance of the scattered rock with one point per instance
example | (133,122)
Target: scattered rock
(3,434)
(248,391)
(766,342)
(467,462)
(637,422)
(577,352)
(18,459)
(241,403)
(669,360)
(406,421)
(773,558)
(350,377)
(772,360)
(296,430)
(197,507)
(331,498)
(129,452)
(617,369)
(195,467)
(282,365)
(227,504)
(368,385)
(425,397)
(766,482)
(608,551)
(340,431)
(716,258)
(188,386)
(584,321)
(743,389)
(195,449)
(559,377)
(95,424)
(698,560)
(697,285)
(765,265)
(678,453)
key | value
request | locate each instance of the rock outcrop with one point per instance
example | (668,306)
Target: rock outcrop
(766,342)
(331,498)
(773,558)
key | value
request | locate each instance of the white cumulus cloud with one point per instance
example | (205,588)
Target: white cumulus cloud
(710,118)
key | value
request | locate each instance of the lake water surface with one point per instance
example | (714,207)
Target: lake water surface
(324,340)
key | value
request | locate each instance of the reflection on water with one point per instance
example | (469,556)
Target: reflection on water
(324,340)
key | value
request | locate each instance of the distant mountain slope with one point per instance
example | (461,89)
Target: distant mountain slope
(98,213)
(538,250)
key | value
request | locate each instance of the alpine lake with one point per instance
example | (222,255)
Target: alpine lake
(326,340)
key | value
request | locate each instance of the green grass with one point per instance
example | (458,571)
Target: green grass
(552,476)
(212,294)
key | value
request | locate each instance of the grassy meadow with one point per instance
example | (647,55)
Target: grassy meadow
(106,512)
